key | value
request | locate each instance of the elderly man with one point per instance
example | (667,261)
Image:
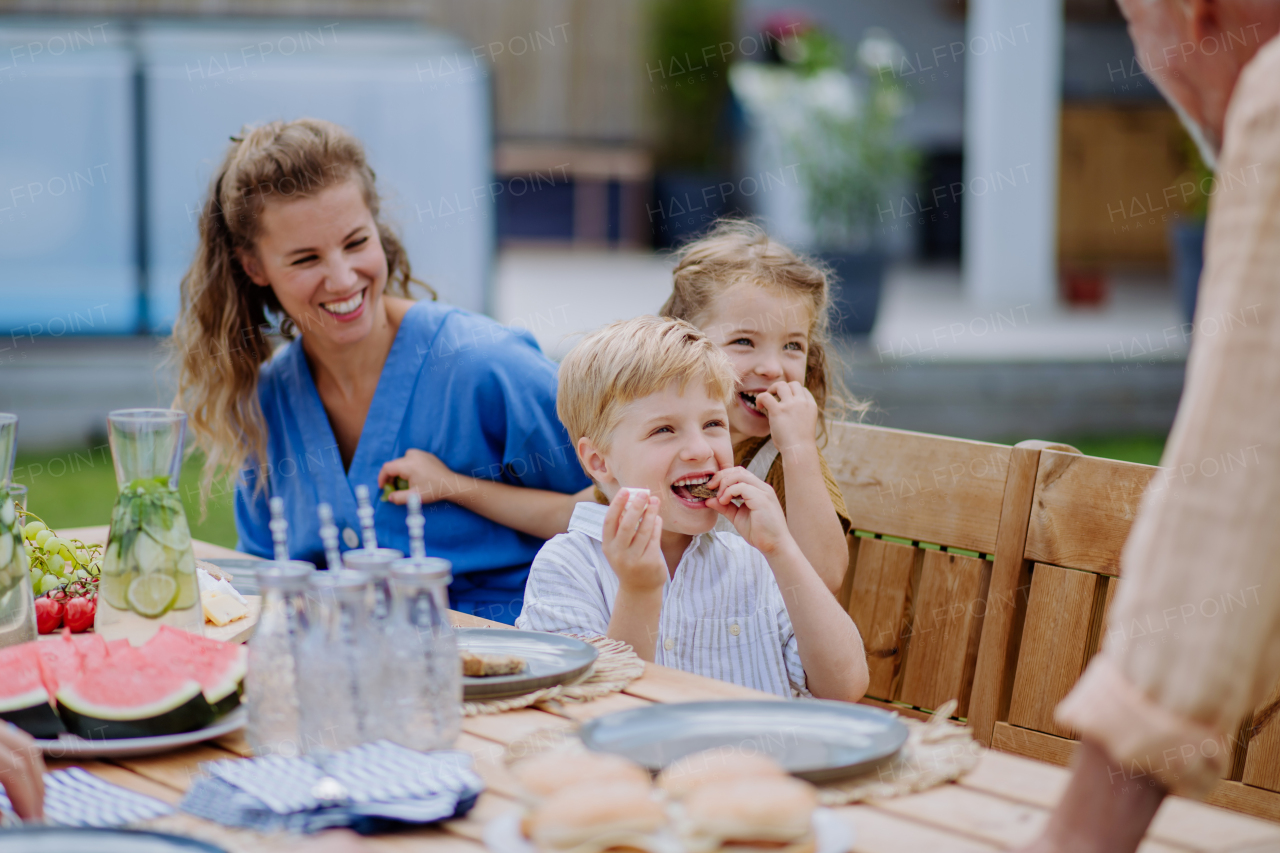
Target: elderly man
(1157,709)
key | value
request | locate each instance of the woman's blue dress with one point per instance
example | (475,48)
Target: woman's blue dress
(479,395)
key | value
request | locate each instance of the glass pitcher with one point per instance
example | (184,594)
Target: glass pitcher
(17,609)
(149,570)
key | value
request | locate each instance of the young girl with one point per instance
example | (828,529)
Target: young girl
(767,309)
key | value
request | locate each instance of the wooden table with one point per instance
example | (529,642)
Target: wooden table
(1001,804)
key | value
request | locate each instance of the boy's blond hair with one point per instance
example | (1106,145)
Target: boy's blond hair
(630,359)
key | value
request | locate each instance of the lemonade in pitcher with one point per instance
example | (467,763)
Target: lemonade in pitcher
(149,570)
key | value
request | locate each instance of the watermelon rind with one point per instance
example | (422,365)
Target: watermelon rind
(183,709)
(33,713)
(224,694)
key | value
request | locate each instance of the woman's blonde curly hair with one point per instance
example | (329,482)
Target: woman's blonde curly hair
(221,336)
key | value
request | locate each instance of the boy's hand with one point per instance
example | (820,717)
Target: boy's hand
(632,541)
(425,473)
(760,519)
(793,414)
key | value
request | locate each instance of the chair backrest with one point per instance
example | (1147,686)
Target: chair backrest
(1082,510)
(928,512)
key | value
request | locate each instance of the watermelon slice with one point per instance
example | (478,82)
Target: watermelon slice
(126,696)
(25,699)
(219,667)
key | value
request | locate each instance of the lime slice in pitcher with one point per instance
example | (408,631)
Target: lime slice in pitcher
(188,590)
(115,589)
(152,595)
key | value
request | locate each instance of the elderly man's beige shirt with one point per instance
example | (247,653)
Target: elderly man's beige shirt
(1168,703)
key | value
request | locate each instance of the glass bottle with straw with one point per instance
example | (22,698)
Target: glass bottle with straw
(338,688)
(17,608)
(271,685)
(427,698)
(149,569)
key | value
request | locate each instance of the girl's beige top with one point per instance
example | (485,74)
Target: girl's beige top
(1179,667)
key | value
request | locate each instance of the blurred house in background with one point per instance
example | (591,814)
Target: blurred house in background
(537,152)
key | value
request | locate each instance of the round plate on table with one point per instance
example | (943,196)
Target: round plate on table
(550,659)
(66,839)
(72,746)
(814,739)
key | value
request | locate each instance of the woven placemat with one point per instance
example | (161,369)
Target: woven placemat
(615,668)
(936,752)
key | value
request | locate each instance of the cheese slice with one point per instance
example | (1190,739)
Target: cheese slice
(221,609)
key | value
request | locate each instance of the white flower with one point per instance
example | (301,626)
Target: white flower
(878,51)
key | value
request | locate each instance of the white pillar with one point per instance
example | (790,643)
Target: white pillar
(1013,96)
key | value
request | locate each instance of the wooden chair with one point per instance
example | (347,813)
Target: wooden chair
(927,585)
(1080,514)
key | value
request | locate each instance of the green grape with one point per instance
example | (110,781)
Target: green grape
(32,529)
(48,584)
(55,564)
(65,552)
(43,536)
(82,574)
(36,575)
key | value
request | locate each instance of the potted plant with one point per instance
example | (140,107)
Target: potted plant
(839,130)
(1186,234)
(689,91)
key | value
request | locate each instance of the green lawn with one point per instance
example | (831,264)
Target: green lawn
(75,488)
(1144,449)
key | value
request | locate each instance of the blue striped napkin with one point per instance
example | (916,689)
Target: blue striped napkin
(75,797)
(369,788)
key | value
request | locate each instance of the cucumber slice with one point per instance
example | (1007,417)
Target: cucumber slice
(8,514)
(148,554)
(6,549)
(152,595)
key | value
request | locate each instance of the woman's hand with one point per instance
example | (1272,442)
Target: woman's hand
(21,772)
(633,539)
(426,474)
(760,518)
(793,415)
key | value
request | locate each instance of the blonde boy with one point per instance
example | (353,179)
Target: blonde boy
(645,402)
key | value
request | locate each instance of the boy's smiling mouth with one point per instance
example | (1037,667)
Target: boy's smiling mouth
(682,488)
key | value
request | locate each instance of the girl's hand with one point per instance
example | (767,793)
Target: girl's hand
(632,541)
(793,415)
(760,519)
(426,474)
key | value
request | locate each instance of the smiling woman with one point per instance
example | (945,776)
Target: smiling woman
(292,243)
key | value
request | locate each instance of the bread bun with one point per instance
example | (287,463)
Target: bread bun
(544,775)
(593,817)
(714,766)
(773,812)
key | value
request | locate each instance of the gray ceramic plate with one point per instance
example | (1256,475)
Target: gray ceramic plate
(71,746)
(549,659)
(814,739)
(60,839)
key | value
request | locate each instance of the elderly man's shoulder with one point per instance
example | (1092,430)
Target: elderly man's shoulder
(1257,87)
